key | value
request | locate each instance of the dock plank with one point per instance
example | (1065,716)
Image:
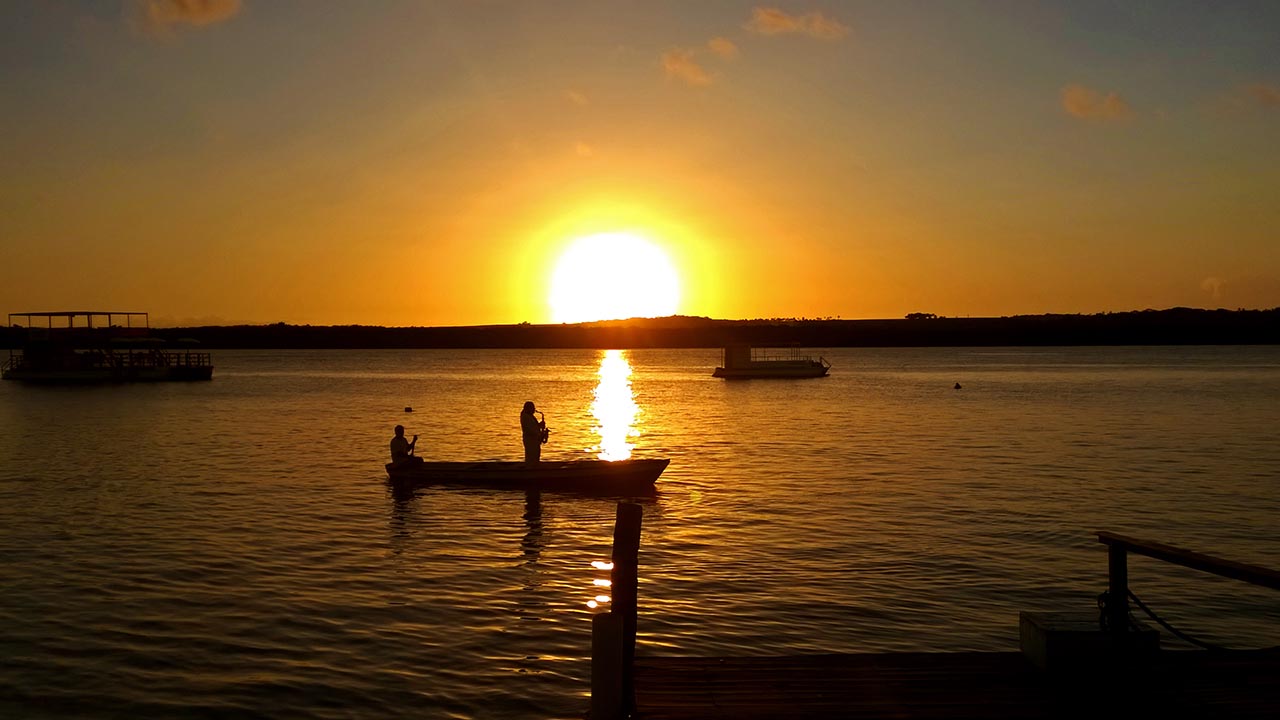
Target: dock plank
(952,685)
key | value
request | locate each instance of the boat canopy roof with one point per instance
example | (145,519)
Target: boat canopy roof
(83,318)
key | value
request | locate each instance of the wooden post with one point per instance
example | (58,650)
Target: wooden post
(625,588)
(1117,589)
(606,667)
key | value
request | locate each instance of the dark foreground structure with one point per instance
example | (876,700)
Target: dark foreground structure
(1063,672)
(953,685)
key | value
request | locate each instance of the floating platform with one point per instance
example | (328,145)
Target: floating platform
(745,363)
(90,346)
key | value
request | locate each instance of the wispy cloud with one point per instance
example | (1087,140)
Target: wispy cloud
(583,149)
(688,64)
(1249,98)
(772,21)
(724,47)
(165,15)
(576,97)
(683,65)
(1267,96)
(1089,104)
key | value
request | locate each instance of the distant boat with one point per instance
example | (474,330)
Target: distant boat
(742,362)
(598,477)
(96,347)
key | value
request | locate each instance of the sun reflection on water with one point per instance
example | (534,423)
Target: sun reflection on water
(599,601)
(614,407)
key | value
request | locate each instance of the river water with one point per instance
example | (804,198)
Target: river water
(232,548)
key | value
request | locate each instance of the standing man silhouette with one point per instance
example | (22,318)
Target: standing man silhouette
(531,433)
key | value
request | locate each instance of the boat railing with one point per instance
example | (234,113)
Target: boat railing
(160,358)
(189,359)
(119,359)
(788,355)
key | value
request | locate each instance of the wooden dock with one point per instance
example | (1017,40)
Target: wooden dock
(938,686)
(1064,671)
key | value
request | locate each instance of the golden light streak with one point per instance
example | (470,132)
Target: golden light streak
(614,407)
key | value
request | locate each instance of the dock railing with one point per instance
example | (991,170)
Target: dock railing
(1116,612)
(1221,682)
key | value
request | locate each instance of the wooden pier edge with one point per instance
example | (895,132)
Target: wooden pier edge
(938,685)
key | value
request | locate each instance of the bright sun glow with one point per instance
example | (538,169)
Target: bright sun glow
(613,276)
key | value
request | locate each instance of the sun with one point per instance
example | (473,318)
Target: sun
(613,276)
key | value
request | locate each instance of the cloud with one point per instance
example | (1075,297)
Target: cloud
(576,97)
(1213,286)
(164,15)
(1266,96)
(681,64)
(772,21)
(1249,98)
(723,47)
(583,149)
(1089,104)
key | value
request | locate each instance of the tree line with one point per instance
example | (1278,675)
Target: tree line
(1176,326)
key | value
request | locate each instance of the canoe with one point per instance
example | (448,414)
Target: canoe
(600,477)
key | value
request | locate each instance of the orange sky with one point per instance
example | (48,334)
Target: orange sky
(410,163)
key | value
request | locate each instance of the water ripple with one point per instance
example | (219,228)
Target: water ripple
(231,549)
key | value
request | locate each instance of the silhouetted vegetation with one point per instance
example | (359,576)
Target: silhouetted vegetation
(1176,326)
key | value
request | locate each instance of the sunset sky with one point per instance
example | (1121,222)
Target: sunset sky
(429,163)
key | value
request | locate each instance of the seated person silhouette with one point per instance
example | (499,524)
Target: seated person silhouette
(402,450)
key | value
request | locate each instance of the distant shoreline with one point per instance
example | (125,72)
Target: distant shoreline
(1177,326)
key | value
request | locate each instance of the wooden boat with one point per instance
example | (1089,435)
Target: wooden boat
(597,477)
(96,347)
(746,363)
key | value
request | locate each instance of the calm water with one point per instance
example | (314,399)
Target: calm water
(232,549)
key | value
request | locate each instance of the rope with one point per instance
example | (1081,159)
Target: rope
(1103,599)
(1185,637)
